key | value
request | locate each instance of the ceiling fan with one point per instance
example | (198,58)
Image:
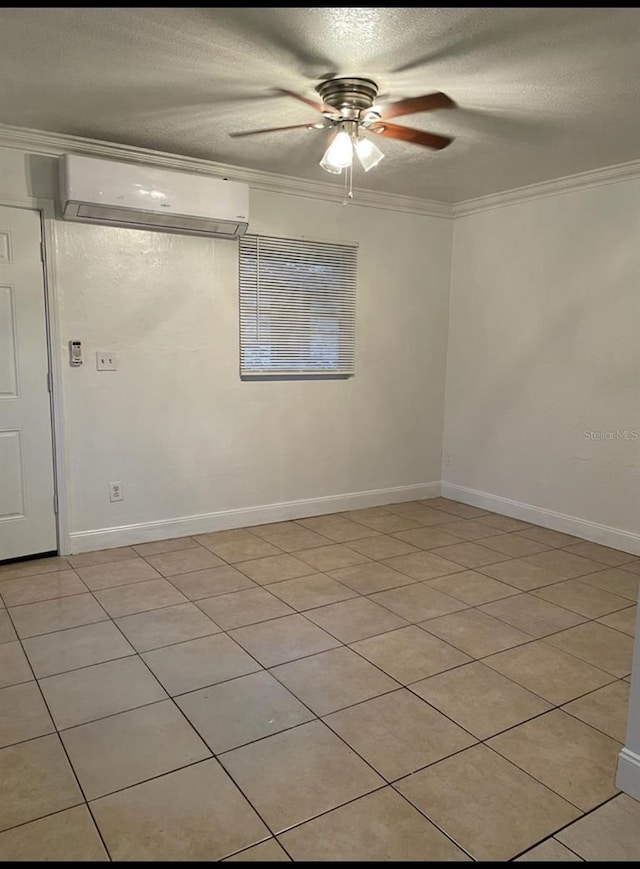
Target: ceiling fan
(348,109)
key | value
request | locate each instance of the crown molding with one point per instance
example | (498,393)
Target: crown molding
(566,184)
(55,144)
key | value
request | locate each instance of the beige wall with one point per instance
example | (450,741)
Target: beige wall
(544,347)
(177,426)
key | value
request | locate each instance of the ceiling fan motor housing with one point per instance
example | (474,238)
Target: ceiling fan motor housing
(351,97)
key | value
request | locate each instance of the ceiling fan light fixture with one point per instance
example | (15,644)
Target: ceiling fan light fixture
(339,154)
(368,153)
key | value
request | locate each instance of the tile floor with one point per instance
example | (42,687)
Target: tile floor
(421,681)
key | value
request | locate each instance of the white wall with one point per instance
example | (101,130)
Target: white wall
(177,426)
(544,345)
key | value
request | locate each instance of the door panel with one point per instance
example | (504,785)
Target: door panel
(27,517)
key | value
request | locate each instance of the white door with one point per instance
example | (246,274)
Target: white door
(27,516)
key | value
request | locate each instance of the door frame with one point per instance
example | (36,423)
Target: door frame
(46,209)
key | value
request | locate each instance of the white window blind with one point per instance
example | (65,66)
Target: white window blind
(297,306)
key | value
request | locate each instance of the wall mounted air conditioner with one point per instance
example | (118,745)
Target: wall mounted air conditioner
(147,197)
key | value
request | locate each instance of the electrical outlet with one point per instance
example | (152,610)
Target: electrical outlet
(106,360)
(447,460)
(115,492)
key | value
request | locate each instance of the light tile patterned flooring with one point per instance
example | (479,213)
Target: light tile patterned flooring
(422,681)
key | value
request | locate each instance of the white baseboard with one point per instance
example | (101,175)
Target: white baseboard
(627,541)
(628,778)
(146,532)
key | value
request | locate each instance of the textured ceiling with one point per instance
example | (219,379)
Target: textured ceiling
(541,92)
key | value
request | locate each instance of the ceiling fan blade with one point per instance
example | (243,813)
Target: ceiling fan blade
(277,130)
(407,134)
(410,106)
(319,107)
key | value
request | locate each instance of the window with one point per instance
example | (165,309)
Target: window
(297,307)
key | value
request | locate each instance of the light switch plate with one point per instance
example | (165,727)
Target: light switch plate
(106,360)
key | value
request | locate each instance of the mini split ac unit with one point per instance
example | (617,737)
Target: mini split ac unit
(146,197)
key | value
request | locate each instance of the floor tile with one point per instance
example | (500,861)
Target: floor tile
(603,554)
(67,836)
(470,554)
(598,645)
(7,633)
(355,619)
(103,689)
(214,820)
(32,566)
(285,639)
(382,546)
(577,596)
(455,508)
(568,566)
(624,620)
(14,667)
(184,561)
(423,565)
(549,537)
(381,826)
(48,616)
(275,568)
(232,535)
(550,851)
(125,749)
(420,514)
(371,577)
(469,529)
(504,523)
(159,547)
(215,580)
(296,775)
(571,758)
(425,538)
(101,556)
(479,699)
(521,575)
(23,714)
(532,614)
(306,592)
(324,558)
(487,805)
(616,581)
(332,680)
(417,601)
(266,852)
(606,709)
(58,652)
(398,733)
(163,627)
(293,537)
(139,597)
(336,528)
(122,572)
(633,566)
(513,545)
(386,523)
(475,632)
(36,780)
(244,550)
(608,834)
(242,710)
(46,586)
(549,672)
(472,588)
(410,654)
(244,608)
(198,663)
